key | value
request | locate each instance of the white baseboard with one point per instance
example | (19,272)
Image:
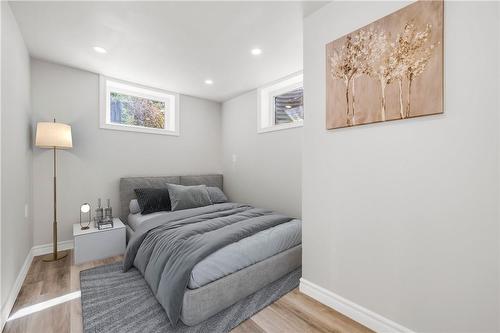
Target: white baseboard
(47,248)
(11,299)
(350,309)
(35,251)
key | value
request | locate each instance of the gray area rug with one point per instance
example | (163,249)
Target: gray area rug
(113,301)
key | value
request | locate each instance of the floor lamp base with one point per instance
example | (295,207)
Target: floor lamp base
(59,255)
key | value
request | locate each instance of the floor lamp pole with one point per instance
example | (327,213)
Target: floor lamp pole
(55,255)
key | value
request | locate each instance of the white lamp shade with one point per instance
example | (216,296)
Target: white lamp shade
(50,135)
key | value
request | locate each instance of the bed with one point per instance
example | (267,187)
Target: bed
(199,261)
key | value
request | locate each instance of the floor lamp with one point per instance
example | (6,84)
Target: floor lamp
(54,136)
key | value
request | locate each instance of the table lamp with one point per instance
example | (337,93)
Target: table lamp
(85,209)
(54,136)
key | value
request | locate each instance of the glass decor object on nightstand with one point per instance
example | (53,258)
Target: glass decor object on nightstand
(108,212)
(85,209)
(107,221)
(99,215)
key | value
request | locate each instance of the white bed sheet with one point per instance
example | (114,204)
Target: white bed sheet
(135,220)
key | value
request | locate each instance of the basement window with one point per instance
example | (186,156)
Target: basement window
(281,104)
(128,106)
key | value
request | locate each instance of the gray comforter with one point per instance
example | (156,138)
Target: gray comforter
(166,250)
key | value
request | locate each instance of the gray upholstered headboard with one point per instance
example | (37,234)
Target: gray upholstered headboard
(128,184)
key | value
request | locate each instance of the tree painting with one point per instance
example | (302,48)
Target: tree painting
(356,57)
(390,69)
(381,66)
(343,65)
(415,56)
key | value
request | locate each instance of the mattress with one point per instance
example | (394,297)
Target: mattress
(236,256)
(135,220)
(202,303)
(129,233)
(246,252)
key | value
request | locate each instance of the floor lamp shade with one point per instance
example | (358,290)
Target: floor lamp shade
(53,135)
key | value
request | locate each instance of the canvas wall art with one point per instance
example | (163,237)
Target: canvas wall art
(390,69)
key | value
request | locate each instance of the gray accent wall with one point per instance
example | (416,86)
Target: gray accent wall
(100,157)
(16,154)
(262,169)
(402,217)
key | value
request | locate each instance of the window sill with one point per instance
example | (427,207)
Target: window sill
(280,127)
(138,129)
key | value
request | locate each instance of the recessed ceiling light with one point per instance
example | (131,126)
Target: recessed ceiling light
(99,49)
(256,51)
(288,106)
(208,81)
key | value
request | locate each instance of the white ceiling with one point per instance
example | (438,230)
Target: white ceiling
(171,45)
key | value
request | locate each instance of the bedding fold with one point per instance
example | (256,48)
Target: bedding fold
(166,249)
(246,252)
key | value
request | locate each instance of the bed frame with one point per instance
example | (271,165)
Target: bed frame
(202,303)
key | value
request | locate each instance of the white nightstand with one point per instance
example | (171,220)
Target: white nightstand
(93,244)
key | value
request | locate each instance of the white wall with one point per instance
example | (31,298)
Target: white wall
(100,157)
(16,153)
(267,171)
(402,218)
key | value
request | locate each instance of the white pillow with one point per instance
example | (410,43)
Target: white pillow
(133,206)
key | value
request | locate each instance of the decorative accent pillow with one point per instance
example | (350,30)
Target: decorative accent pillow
(153,200)
(185,197)
(134,207)
(216,195)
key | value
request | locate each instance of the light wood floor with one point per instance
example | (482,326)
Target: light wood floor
(294,312)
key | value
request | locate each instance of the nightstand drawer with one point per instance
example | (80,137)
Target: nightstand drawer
(99,245)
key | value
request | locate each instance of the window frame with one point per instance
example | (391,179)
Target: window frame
(266,113)
(171,100)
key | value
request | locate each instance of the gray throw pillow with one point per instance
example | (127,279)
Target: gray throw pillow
(185,197)
(134,206)
(216,195)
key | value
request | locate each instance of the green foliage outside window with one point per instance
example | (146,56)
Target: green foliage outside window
(138,111)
